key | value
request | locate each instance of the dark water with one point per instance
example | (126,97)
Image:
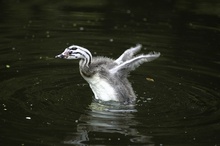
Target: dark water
(44,101)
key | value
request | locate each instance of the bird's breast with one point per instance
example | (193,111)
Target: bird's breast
(101,88)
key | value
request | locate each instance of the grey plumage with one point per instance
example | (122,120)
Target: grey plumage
(108,75)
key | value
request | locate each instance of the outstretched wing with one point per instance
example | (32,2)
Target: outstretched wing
(128,54)
(129,65)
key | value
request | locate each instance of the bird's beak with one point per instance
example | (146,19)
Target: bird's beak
(61,56)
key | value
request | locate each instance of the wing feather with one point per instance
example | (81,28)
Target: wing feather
(128,54)
(132,64)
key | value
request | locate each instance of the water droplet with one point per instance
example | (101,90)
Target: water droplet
(81,28)
(28,118)
(111,40)
(149,99)
(7,66)
(128,11)
(47,34)
(145,19)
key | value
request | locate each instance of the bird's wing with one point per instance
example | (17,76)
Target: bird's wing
(132,64)
(128,54)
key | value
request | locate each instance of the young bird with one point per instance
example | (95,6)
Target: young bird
(107,77)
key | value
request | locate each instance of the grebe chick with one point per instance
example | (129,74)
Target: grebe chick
(107,77)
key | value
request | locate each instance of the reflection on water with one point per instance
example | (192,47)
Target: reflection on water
(44,101)
(100,126)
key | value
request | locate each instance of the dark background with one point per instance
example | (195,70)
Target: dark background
(44,101)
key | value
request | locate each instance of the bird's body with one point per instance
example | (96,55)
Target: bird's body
(107,77)
(105,84)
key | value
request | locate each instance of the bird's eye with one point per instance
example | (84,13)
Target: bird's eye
(70,52)
(73,48)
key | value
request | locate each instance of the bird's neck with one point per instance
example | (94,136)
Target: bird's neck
(86,59)
(84,66)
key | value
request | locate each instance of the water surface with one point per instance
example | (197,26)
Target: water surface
(44,101)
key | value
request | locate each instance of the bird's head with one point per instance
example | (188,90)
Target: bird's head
(74,52)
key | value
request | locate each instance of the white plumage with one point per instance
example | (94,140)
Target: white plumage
(107,77)
(101,88)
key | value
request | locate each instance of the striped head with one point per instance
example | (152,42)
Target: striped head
(76,52)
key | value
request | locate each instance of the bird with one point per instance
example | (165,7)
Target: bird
(108,78)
